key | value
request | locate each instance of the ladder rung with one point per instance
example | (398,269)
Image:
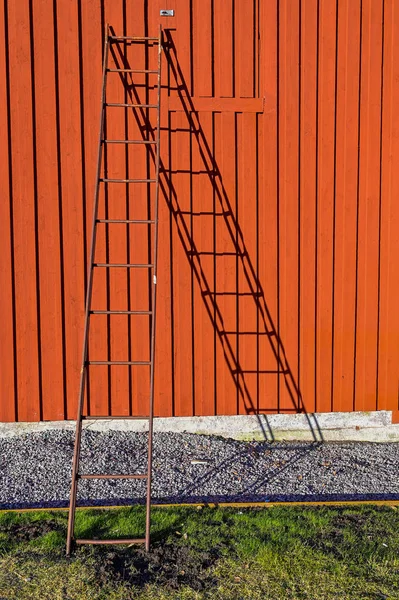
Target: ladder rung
(131,71)
(133,39)
(118,362)
(131,105)
(112,418)
(133,541)
(124,221)
(128,180)
(120,312)
(129,266)
(129,141)
(119,476)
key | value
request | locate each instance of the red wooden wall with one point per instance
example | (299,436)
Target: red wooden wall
(279,216)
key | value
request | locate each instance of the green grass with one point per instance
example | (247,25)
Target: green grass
(278,553)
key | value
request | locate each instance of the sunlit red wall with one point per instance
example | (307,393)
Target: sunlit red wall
(278,273)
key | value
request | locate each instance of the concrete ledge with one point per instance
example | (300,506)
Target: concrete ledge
(356,426)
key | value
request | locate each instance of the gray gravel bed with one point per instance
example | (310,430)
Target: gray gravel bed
(35,469)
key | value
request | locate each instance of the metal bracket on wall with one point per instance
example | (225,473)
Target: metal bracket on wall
(167,13)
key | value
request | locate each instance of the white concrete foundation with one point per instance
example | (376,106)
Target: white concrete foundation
(356,426)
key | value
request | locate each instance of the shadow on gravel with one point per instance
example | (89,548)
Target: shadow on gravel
(205,470)
(249,453)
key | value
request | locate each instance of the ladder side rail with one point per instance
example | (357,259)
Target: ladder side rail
(83,372)
(153,306)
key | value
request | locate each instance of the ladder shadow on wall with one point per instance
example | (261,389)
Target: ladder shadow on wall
(195,257)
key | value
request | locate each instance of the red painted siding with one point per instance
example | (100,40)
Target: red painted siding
(279,219)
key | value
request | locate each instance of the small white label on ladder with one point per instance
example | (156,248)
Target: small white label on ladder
(154,279)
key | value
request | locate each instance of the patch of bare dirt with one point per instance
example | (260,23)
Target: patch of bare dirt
(168,565)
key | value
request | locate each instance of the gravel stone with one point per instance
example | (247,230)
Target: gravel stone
(35,469)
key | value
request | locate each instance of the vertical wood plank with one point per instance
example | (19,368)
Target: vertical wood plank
(307,259)
(267,211)
(71,193)
(24,211)
(181,240)
(388,369)
(163,356)
(92,42)
(226,359)
(184,37)
(202,48)
(369,208)
(144,17)
(248,284)
(325,203)
(224,47)
(244,55)
(204,189)
(288,203)
(345,207)
(51,309)
(8,403)
(163,402)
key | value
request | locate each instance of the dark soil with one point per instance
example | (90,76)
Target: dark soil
(169,565)
(333,541)
(25,532)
